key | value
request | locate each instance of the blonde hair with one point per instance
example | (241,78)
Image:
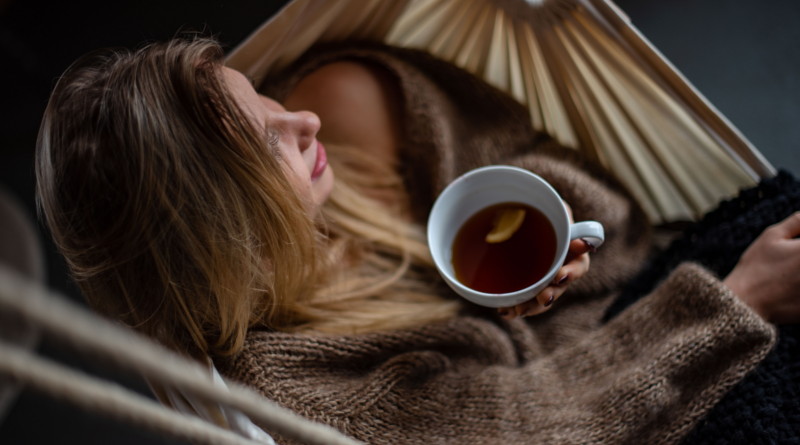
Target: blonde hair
(174,219)
(381,272)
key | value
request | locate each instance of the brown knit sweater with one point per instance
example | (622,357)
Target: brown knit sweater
(563,377)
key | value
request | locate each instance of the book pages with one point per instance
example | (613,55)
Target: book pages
(586,75)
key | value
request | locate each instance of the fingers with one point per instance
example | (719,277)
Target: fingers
(579,247)
(542,303)
(575,266)
(536,306)
(789,227)
(577,262)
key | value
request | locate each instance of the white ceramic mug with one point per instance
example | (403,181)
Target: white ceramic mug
(494,184)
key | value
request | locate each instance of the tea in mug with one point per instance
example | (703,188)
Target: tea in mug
(504,248)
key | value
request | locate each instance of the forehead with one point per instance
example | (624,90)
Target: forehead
(241,89)
(257,106)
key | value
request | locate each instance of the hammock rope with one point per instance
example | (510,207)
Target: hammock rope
(110,399)
(122,347)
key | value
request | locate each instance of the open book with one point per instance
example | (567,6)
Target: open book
(588,77)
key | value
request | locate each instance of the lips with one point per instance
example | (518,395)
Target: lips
(320,163)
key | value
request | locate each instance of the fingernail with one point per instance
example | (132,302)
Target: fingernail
(550,300)
(589,244)
(561,280)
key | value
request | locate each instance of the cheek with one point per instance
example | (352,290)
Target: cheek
(323,187)
(297,173)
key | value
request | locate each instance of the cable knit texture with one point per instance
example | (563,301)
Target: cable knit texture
(646,376)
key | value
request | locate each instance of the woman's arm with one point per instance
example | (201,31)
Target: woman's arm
(645,377)
(766,277)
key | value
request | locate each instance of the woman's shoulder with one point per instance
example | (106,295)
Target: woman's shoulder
(359,104)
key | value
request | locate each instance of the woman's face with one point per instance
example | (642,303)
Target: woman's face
(291,135)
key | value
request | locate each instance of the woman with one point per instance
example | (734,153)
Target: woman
(205,215)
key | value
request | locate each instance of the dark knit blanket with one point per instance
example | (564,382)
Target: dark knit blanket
(765,407)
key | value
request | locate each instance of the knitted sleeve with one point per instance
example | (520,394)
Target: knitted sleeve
(645,377)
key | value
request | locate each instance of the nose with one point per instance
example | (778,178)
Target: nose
(303,125)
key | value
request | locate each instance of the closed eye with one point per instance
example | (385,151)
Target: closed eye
(273,139)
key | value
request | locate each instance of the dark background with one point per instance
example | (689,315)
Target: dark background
(743,56)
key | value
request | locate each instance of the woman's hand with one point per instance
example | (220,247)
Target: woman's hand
(575,266)
(767,277)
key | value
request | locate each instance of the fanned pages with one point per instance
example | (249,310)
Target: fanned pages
(586,75)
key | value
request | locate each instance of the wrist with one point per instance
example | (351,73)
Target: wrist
(745,294)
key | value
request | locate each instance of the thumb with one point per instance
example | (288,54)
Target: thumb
(578,247)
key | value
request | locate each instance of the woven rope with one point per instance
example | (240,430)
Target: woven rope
(87,331)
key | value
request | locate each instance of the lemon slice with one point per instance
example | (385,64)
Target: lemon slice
(506,223)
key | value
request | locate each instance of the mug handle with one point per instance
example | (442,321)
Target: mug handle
(592,231)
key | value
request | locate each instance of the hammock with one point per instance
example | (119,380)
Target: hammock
(587,76)
(43,311)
